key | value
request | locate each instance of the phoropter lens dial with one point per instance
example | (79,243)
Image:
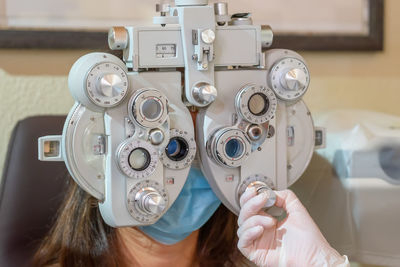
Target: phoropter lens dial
(147,201)
(262,184)
(148,107)
(230,147)
(180,151)
(106,84)
(289,78)
(256,104)
(136,158)
(98,81)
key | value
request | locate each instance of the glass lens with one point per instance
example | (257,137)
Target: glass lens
(151,109)
(139,159)
(234,148)
(177,149)
(258,104)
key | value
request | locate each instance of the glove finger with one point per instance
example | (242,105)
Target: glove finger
(264,221)
(287,200)
(252,207)
(247,195)
(247,238)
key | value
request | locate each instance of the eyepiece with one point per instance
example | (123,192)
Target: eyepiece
(258,104)
(139,159)
(177,149)
(234,148)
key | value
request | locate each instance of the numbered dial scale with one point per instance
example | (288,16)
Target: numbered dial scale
(147,201)
(137,159)
(289,78)
(180,151)
(148,107)
(229,147)
(106,84)
(256,104)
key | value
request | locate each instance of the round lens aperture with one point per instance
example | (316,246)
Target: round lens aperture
(180,151)
(258,104)
(234,148)
(177,149)
(151,109)
(139,159)
(148,107)
(230,147)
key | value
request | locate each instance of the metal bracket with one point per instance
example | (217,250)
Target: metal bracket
(320,137)
(50,148)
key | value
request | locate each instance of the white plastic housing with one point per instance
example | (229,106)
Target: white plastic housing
(274,156)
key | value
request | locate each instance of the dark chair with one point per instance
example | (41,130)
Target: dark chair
(31,191)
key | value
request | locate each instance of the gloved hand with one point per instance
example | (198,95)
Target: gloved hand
(294,241)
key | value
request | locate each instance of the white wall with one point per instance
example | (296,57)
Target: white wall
(284,15)
(24,96)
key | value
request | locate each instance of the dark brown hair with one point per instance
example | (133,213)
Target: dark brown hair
(80,237)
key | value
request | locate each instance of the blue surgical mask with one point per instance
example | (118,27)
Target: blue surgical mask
(194,206)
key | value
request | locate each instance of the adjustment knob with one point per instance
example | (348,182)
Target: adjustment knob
(150,201)
(289,78)
(221,13)
(263,188)
(156,136)
(267,37)
(163,8)
(204,93)
(242,19)
(147,201)
(255,132)
(110,85)
(118,38)
(262,184)
(98,81)
(294,79)
(208,36)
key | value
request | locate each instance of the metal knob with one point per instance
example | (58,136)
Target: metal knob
(221,8)
(294,79)
(267,36)
(150,201)
(204,93)
(208,36)
(262,188)
(118,38)
(221,13)
(156,136)
(163,8)
(254,132)
(242,19)
(191,2)
(110,85)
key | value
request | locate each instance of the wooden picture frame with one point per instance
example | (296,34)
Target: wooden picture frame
(62,39)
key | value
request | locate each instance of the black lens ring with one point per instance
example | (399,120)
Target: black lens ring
(266,104)
(148,159)
(184,149)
